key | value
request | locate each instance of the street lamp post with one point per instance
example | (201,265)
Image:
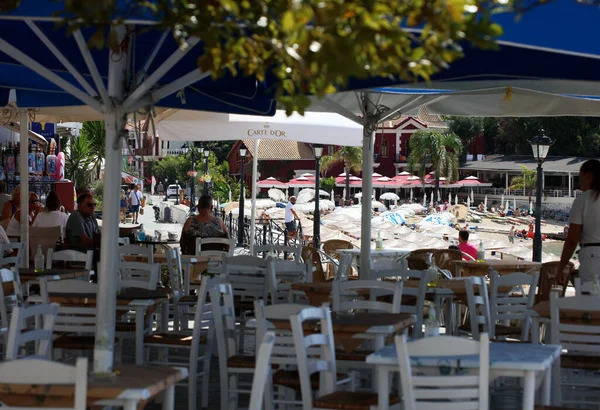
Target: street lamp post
(540,146)
(318,151)
(185,150)
(243,152)
(206,155)
(177,196)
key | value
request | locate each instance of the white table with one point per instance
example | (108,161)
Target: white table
(506,359)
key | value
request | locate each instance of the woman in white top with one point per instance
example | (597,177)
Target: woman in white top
(584,224)
(14,225)
(51,216)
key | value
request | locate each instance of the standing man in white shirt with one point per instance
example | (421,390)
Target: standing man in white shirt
(290,218)
(135,198)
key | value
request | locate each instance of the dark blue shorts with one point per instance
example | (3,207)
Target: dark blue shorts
(135,208)
(290,226)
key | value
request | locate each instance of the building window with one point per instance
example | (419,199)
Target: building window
(385,148)
(330,150)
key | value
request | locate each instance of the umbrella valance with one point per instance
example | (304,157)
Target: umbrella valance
(271,182)
(472,181)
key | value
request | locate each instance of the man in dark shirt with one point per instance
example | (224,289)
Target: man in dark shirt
(82,227)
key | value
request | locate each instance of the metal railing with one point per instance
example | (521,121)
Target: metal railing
(267,232)
(554,193)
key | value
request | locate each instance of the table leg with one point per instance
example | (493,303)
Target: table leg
(379,342)
(383,387)
(546,387)
(169,398)
(130,405)
(139,336)
(529,390)
(164,317)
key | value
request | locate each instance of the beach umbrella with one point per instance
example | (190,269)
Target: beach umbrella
(331,195)
(229,195)
(439,197)
(485,203)
(275,194)
(411,195)
(424,201)
(344,194)
(468,202)
(389,196)
(472,196)
(530,207)
(514,203)
(502,201)
(449,198)
(456,200)
(431,197)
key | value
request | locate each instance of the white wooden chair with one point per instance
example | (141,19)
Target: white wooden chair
(479,319)
(346,297)
(583,288)
(286,272)
(575,328)
(8,301)
(47,373)
(231,364)
(261,384)
(75,325)
(13,260)
(198,363)
(515,305)
(46,237)
(124,241)
(278,251)
(434,391)
(325,364)
(413,297)
(147,252)
(139,275)
(19,335)
(70,255)
(250,279)
(215,242)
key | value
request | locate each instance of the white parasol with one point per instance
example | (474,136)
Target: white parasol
(514,203)
(456,200)
(389,196)
(276,194)
(502,201)
(411,195)
(472,196)
(485,203)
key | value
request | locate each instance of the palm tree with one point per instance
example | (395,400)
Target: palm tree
(526,182)
(440,151)
(79,158)
(352,159)
(94,133)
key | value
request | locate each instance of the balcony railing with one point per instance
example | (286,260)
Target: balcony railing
(552,193)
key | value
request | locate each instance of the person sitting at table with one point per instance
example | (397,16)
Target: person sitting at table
(51,215)
(465,246)
(14,225)
(82,229)
(203,225)
(10,207)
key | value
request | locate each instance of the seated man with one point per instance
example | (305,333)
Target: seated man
(465,246)
(82,228)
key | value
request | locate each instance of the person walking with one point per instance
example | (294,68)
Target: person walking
(135,198)
(290,218)
(511,234)
(584,224)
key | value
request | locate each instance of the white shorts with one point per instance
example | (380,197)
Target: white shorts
(589,259)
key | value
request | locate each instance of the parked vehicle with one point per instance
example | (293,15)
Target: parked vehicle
(173,190)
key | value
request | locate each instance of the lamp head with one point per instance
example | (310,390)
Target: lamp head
(185,149)
(206,153)
(540,146)
(243,151)
(318,150)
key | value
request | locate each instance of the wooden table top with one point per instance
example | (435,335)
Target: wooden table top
(123,298)
(130,382)
(64,273)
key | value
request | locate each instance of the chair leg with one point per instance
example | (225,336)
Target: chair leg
(193,383)
(206,369)
(224,378)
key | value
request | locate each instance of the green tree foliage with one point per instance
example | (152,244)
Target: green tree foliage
(526,181)
(435,150)
(327,184)
(351,157)
(467,129)
(79,160)
(94,132)
(307,47)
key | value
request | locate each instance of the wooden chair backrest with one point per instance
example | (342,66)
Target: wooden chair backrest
(139,275)
(137,250)
(479,306)
(279,250)
(48,373)
(443,258)
(311,255)
(69,256)
(46,237)
(16,261)
(453,391)
(261,387)
(549,278)
(570,329)
(346,296)
(19,335)
(10,296)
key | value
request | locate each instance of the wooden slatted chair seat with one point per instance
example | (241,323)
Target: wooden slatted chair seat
(241,361)
(503,330)
(173,339)
(291,379)
(188,299)
(350,400)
